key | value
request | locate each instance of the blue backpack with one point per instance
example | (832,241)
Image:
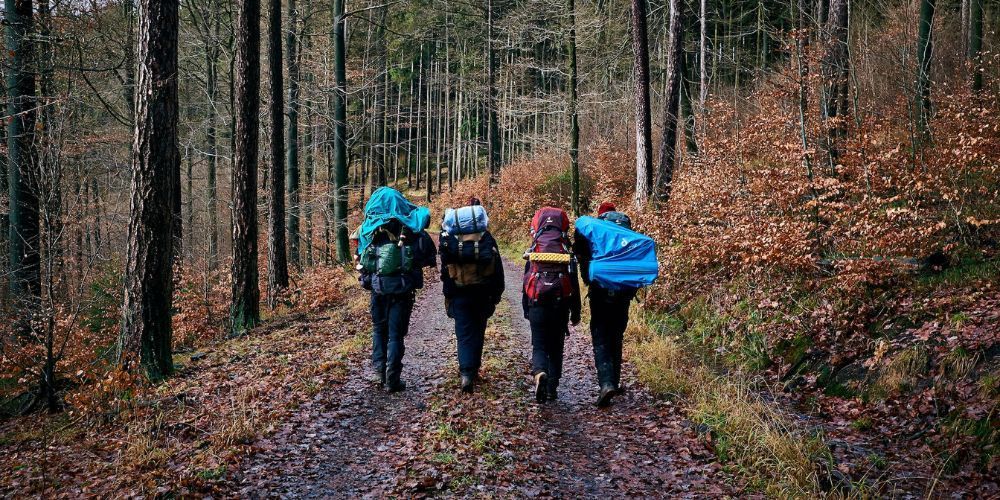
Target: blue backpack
(621,259)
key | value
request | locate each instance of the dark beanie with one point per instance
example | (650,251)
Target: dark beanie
(474,201)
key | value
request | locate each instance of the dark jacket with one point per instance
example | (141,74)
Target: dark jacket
(573,302)
(424,255)
(581,248)
(493,288)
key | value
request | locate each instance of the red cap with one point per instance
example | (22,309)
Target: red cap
(606,207)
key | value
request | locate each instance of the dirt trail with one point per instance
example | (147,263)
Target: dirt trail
(354,440)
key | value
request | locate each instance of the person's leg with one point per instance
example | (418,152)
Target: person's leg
(604,360)
(400,307)
(618,339)
(380,326)
(466,325)
(557,329)
(537,318)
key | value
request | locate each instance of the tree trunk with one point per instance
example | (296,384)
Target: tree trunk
(23,255)
(339,132)
(277,258)
(574,124)
(492,126)
(976,43)
(146,321)
(244,311)
(292,159)
(835,78)
(925,49)
(643,133)
(668,147)
(212,52)
(703,57)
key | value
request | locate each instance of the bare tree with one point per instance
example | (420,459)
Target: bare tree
(671,104)
(277,258)
(146,322)
(244,310)
(643,133)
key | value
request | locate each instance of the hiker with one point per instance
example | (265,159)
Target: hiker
(473,282)
(611,294)
(550,297)
(393,248)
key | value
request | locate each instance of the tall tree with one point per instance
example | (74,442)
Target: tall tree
(703,55)
(244,311)
(277,258)
(22,240)
(492,124)
(643,133)
(925,48)
(146,322)
(292,159)
(675,63)
(835,77)
(574,124)
(339,131)
(976,43)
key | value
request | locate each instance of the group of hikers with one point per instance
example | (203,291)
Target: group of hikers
(393,248)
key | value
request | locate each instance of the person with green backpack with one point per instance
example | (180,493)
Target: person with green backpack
(393,249)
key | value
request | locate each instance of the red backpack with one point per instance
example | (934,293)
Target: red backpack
(549,257)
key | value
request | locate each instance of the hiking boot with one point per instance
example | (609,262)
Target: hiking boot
(552,394)
(551,389)
(604,399)
(541,387)
(378,375)
(468,383)
(397,386)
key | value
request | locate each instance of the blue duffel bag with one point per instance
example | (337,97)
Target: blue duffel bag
(621,259)
(465,220)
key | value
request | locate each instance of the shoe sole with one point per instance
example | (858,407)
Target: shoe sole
(540,389)
(604,400)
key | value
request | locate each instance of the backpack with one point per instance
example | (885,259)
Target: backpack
(465,220)
(550,259)
(470,259)
(621,259)
(618,218)
(391,258)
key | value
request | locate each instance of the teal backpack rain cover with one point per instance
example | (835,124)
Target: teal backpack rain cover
(620,258)
(385,205)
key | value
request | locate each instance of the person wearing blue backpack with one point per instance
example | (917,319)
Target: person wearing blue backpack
(472,282)
(393,249)
(609,298)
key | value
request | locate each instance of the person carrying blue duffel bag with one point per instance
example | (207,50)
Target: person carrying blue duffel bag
(615,262)
(393,249)
(472,281)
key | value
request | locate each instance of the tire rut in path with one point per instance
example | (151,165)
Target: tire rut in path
(354,440)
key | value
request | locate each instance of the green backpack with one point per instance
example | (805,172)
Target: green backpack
(388,259)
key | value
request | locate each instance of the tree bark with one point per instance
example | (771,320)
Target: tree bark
(146,322)
(492,126)
(925,49)
(292,159)
(574,124)
(212,52)
(277,257)
(643,133)
(339,132)
(835,78)
(668,147)
(244,311)
(976,43)
(22,240)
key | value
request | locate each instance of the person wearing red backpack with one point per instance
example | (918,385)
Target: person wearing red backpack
(550,297)
(608,313)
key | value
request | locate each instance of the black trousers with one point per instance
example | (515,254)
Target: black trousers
(608,320)
(549,326)
(471,314)
(390,323)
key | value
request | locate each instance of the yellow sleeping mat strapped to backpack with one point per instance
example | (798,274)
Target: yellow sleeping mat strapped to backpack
(558,258)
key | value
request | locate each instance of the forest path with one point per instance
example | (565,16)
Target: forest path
(354,440)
